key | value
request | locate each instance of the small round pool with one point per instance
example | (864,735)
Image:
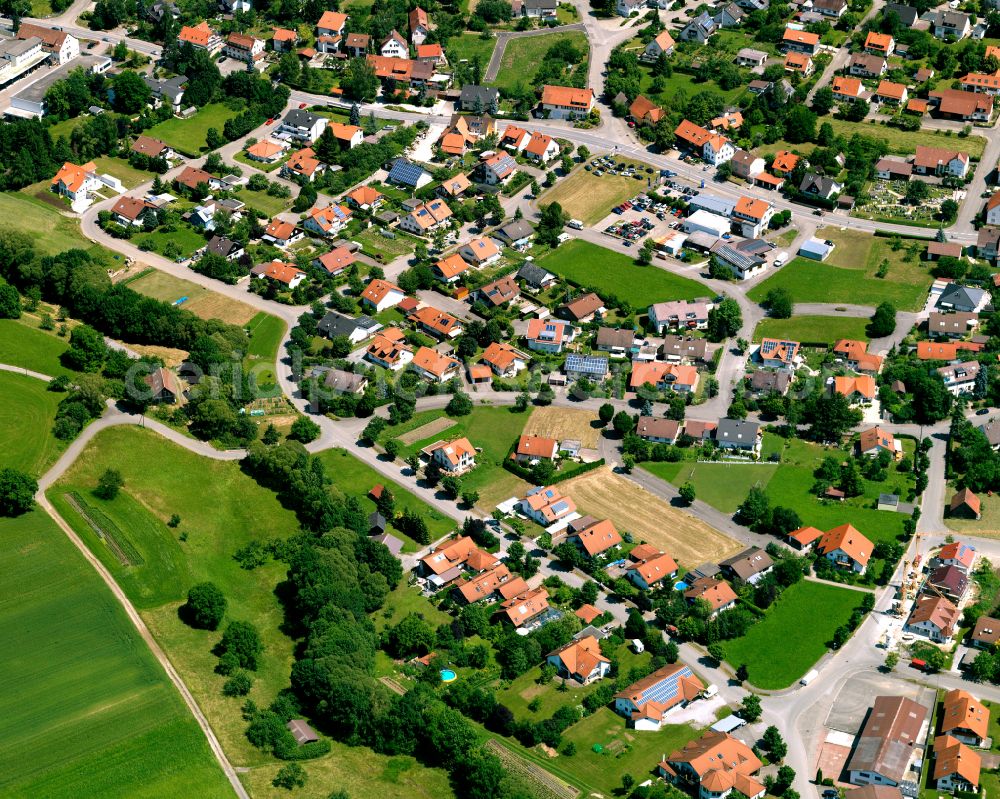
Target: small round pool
(681,585)
(447,675)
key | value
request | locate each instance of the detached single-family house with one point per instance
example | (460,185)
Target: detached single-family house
(719,594)
(700,29)
(846,548)
(580,660)
(389,350)
(381,294)
(546,505)
(749,566)
(934,617)
(504,360)
(960,378)
(454,457)
(564,102)
(303,125)
(327,221)
(957,768)
(646,703)
(801,41)
(939,161)
(551,336)
(531,449)
(480,252)
(75,181)
(950,24)
(281,233)
(714,765)
(435,367)
(280,272)
(649,573)
(131,211)
(663,43)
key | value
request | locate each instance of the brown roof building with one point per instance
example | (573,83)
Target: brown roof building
(716,764)
(717,593)
(965,504)
(887,744)
(965,717)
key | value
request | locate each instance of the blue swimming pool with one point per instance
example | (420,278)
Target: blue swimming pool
(447,675)
(680,585)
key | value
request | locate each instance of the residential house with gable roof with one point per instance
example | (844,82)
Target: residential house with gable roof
(714,765)
(649,573)
(934,617)
(719,594)
(454,457)
(564,102)
(595,538)
(846,547)
(646,703)
(381,294)
(545,505)
(531,449)
(580,660)
(435,367)
(957,768)
(548,335)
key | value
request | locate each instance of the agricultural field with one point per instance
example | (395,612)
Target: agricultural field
(495,430)
(200,301)
(87,711)
(27,411)
(610,272)
(563,423)
(353,476)
(848,275)
(792,627)
(221,510)
(604,494)
(26,346)
(813,329)
(188,135)
(521,57)
(589,198)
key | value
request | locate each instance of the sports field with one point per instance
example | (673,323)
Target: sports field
(688,540)
(200,300)
(27,410)
(589,198)
(86,711)
(612,272)
(792,636)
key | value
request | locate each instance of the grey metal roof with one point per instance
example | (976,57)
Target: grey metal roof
(533,274)
(961,297)
(712,203)
(518,229)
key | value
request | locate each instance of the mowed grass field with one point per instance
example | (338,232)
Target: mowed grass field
(200,301)
(721,485)
(789,484)
(86,711)
(522,57)
(792,636)
(563,423)
(188,135)
(589,198)
(466,46)
(493,429)
(690,541)
(353,476)
(27,410)
(612,272)
(812,329)
(22,344)
(49,230)
(123,170)
(221,510)
(848,275)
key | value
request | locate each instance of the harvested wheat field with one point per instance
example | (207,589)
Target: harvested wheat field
(688,540)
(563,423)
(432,428)
(171,356)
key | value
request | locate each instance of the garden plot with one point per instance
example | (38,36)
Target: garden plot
(887,200)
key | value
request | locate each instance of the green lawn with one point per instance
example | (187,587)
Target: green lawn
(684,84)
(31,348)
(904,142)
(27,410)
(186,238)
(721,485)
(49,230)
(526,688)
(467,46)
(848,275)
(377,246)
(264,202)
(611,272)
(221,510)
(493,429)
(123,170)
(522,57)
(792,636)
(188,135)
(266,332)
(812,329)
(353,476)
(88,712)
(624,751)
(789,484)
(792,483)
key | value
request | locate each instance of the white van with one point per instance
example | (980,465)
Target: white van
(711,691)
(576,224)
(780,259)
(809,677)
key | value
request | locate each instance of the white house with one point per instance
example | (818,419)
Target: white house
(541,148)
(580,660)
(933,617)
(381,294)
(563,102)
(717,150)
(303,125)
(629,8)
(651,572)
(480,252)
(75,181)
(60,44)
(646,703)
(663,43)
(454,457)
(547,335)
(394,46)
(244,48)
(327,221)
